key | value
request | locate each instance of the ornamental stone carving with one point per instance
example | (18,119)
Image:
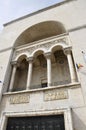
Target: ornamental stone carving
(44,45)
(67,50)
(19,98)
(55,95)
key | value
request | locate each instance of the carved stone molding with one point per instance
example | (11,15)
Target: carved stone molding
(48,55)
(19,98)
(67,50)
(30,59)
(55,95)
(47,45)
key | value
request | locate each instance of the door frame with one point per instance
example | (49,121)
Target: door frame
(66,112)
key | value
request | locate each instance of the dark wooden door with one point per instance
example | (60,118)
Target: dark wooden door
(36,123)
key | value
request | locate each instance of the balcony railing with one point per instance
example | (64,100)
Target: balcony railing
(40,85)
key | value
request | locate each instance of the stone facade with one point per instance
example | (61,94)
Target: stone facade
(38,56)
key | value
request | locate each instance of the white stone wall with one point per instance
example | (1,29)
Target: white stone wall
(78,39)
(73,16)
(5,69)
(37,102)
(70,14)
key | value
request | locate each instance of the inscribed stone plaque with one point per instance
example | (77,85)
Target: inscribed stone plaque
(19,98)
(55,95)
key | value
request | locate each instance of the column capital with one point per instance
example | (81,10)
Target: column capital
(47,55)
(14,63)
(29,59)
(67,50)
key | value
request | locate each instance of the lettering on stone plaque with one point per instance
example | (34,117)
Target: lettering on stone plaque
(55,95)
(19,98)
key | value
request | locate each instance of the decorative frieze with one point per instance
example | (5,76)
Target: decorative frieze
(19,98)
(45,45)
(55,94)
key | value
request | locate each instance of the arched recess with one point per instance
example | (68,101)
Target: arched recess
(21,74)
(40,31)
(34,33)
(60,67)
(39,74)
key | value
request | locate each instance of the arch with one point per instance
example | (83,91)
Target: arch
(38,52)
(21,74)
(60,66)
(39,76)
(40,31)
(21,56)
(58,46)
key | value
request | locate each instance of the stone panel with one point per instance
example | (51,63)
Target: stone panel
(19,98)
(55,95)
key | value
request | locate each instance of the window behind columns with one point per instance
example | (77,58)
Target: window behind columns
(39,75)
(39,31)
(60,69)
(21,76)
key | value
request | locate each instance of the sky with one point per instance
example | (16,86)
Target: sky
(12,9)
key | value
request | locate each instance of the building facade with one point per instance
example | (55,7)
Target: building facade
(41,88)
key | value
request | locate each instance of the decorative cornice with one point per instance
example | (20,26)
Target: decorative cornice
(42,41)
(44,45)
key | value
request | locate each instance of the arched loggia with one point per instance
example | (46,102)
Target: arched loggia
(19,79)
(60,71)
(39,74)
(48,67)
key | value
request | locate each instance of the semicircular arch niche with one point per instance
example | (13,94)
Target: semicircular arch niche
(21,74)
(40,31)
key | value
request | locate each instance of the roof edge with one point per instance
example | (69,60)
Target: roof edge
(39,11)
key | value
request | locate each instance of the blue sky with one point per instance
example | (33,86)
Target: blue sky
(12,9)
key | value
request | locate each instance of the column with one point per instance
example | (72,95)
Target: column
(12,77)
(49,78)
(3,122)
(70,120)
(67,51)
(29,75)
